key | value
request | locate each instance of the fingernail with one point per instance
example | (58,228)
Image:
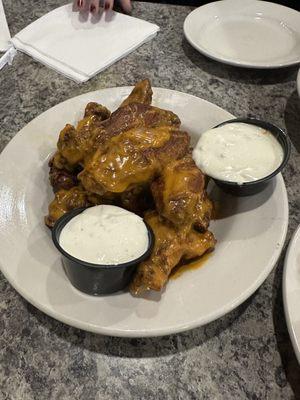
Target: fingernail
(92,8)
(79,3)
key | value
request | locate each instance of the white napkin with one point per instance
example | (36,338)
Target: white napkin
(80,46)
(4,31)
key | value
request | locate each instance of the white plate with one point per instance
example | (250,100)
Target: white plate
(291,291)
(246,33)
(250,238)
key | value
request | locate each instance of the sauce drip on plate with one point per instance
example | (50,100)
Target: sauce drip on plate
(189,266)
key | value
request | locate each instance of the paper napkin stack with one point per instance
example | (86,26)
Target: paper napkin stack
(81,45)
(4,31)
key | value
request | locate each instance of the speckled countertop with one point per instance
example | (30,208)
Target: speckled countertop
(244,355)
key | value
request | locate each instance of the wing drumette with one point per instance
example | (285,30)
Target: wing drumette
(172,244)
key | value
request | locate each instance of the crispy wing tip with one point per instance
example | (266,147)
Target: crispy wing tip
(142,93)
(98,110)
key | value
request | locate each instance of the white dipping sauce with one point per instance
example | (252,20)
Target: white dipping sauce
(105,235)
(238,152)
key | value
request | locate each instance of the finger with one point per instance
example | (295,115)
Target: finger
(109,4)
(94,6)
(81,4)
(126,5)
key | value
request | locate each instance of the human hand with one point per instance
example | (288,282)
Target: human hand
(94,5)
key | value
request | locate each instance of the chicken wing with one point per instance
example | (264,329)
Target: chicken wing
(142,93)
(180,196)
(131,116)
(75,143)
(134,157)
(178,190)
(98,110)
(98,125)
(172,244)
(65,200)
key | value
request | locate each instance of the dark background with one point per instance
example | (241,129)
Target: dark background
(289,3)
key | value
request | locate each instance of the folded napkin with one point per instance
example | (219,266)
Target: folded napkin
(81,45)
(4,31)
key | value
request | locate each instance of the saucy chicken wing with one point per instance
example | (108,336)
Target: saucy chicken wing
(178,190)
(75,143)
(142,93)
(134,157)
(172,244)
(66,200)
(98,110)
(180,196)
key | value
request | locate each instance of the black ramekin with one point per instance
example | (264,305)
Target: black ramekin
(96,279)
(253,187)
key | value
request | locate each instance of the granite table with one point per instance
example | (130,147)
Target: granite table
(245,355)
